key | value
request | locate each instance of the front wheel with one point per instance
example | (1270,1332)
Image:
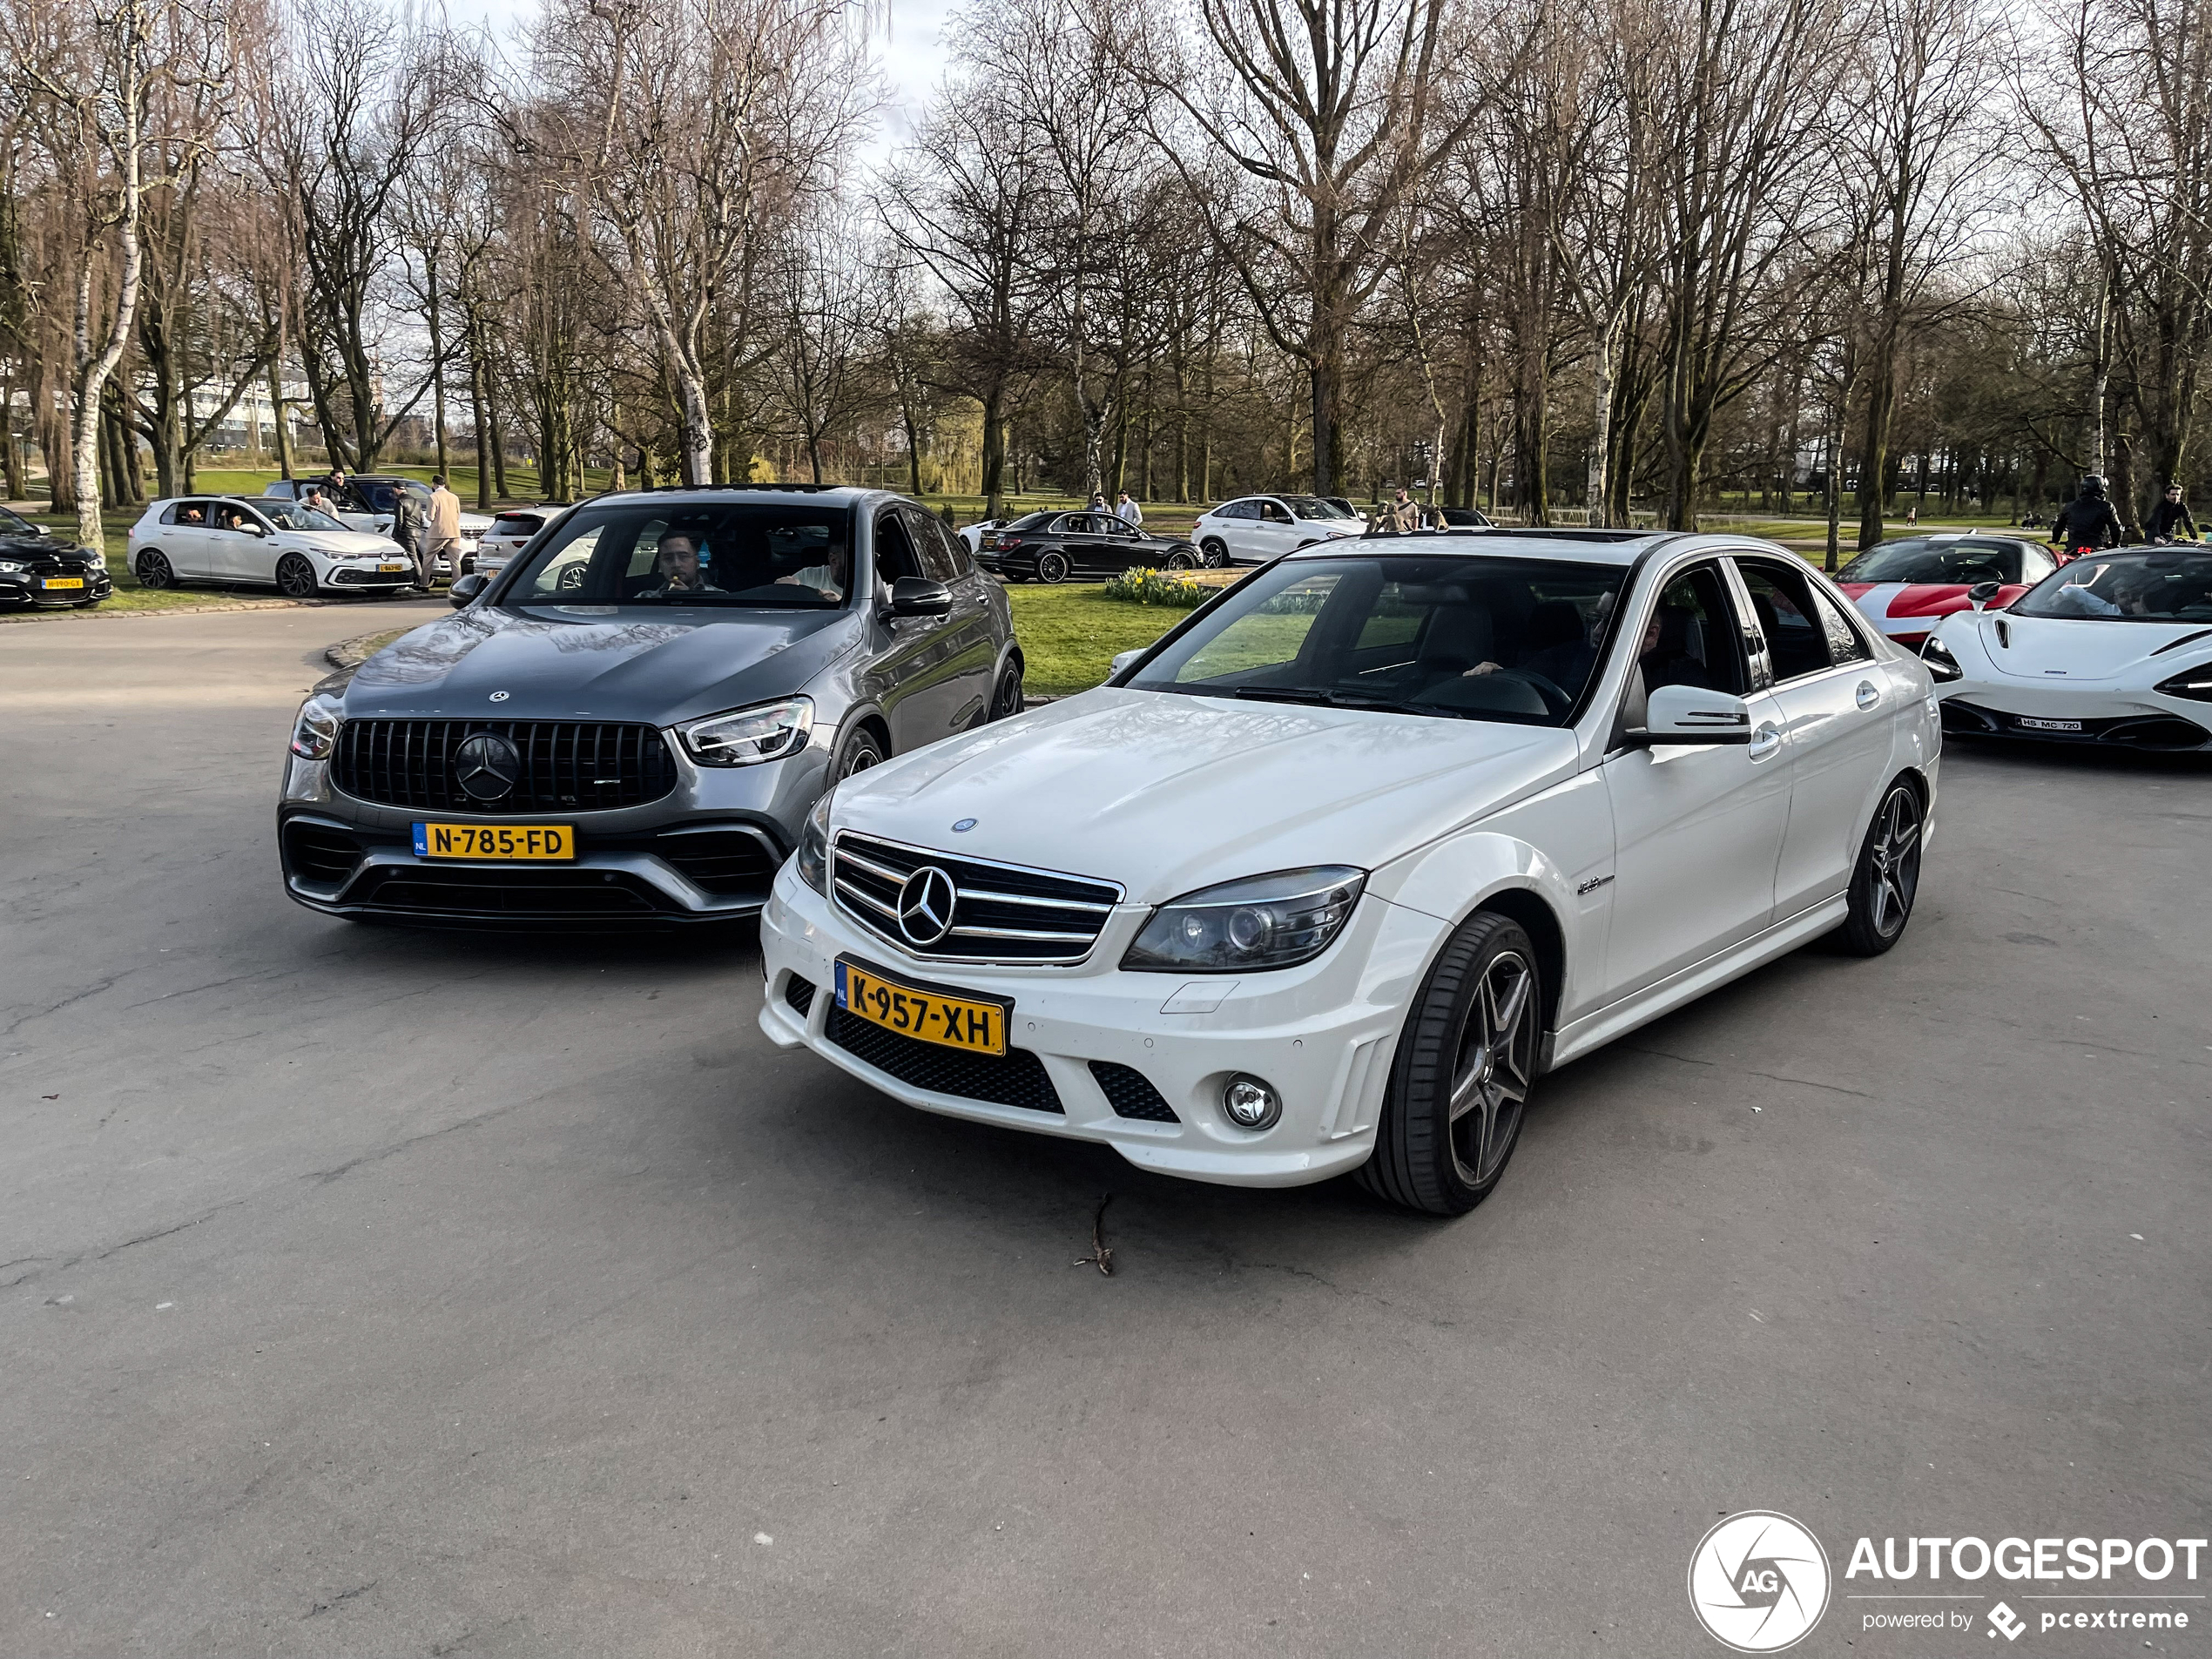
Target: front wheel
(863,750)
(1180,559)
(295,577)
(1465,1069)
(1005,701)
(1886,879)
(1053,567)
(155,571)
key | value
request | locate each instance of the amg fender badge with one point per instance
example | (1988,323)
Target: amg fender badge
(1593,884)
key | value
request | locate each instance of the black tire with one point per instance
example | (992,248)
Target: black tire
(1183,558)
(1886,879)
(1472,1037)
(1053,567)
(295,577)
(1215,553)
(863,747)
(154,571)
(1005,700)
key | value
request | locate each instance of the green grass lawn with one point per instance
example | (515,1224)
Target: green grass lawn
(1070,635)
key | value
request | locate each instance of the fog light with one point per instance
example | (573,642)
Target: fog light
(1251,1103)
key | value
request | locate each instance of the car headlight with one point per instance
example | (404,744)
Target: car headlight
(1262,921)
(747,737)
(12,566)
(1942,665)
(315,732)
(2194,684)
(813,847)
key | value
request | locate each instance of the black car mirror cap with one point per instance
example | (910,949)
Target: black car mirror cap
(466,588)
(917,596)
(1981,593)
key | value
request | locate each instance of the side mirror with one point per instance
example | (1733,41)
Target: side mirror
(1688,714)
(1981,593)
(466,588)
(1122,659)
(917,596)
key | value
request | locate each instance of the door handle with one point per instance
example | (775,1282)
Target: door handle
(1766,738)
(1868,697)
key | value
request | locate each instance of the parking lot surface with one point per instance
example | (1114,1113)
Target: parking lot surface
(372,1292)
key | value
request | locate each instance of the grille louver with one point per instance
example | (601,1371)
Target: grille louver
(568,765)
(1001,913)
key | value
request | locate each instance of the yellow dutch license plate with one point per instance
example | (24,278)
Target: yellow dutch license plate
(64,582)
(393,566)
(933,1016)
(527,842)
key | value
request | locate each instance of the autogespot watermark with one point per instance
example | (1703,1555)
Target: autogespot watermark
(1759,1582)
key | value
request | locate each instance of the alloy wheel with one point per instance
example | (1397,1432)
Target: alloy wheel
(154,570)
(1895,852)
(1006,702)
(295,577)
(1053,567)
(1495,1068)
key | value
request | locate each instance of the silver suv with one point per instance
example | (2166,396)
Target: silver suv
(628,726)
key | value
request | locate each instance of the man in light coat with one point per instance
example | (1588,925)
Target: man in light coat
(1128,512)
(445,528)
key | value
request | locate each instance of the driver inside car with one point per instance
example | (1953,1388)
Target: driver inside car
(678,563)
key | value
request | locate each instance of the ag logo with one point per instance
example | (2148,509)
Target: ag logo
(1758,1581)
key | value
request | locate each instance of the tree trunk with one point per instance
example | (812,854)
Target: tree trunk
(437,366)
(993,455)
(482,423)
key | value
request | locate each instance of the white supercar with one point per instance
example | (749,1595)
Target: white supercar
(2114,650)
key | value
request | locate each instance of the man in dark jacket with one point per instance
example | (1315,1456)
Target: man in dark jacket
(2087,520)
(2170,519)
(408,526)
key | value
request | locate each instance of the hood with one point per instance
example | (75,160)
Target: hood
(1164,793)
(2048,648)
(598,662)
(339,544)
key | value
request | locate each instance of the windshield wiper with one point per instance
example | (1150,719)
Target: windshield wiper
(1318,697)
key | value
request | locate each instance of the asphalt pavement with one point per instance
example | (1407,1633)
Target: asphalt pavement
(371,1292)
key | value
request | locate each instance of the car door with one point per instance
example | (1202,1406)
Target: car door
(1697,828)
(1836,713)
(912,677)
(1128,548)
(1083,538)
(186,541)
(1276,533)
(971,645)
(235,552)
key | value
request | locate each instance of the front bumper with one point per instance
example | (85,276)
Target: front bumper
(2111,719)
(704,854)
(27,591)
(1322,1036)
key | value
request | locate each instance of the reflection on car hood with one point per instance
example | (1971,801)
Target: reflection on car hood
(2067,648)
(339,543)
(598,662)
(1164,793)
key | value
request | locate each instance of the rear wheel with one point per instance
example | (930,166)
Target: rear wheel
(1466,1067)
(1005,701)
(154,570)
(1053,567)
(295,577)
(1886,879)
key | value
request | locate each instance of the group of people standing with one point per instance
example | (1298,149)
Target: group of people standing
(2088,521)
(426,533)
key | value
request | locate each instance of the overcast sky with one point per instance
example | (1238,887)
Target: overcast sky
(911,58)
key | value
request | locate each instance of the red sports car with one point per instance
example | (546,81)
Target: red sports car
(1905,587)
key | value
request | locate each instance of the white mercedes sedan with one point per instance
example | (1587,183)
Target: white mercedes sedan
(1327,878)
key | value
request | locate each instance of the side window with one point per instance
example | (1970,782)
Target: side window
(939,561)
(1240,509)
(192,514)
(894,554)
(1844,642)
(1796,644)
(1692,637)
(1274,513)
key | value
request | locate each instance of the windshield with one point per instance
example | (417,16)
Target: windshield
(1312,507)
(15,524)
(749,554)
(1464,638)
(1918,559)
(290,515)
(2151,586)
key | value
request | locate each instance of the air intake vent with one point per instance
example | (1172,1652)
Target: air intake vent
(1131,1093)
(1018,1080)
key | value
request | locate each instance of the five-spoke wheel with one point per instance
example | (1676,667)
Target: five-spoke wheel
(1887,877)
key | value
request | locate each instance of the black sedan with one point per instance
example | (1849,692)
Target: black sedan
(1053,546)
(35,570)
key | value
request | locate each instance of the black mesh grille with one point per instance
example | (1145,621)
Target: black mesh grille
(1018,1080)
(722,861)
(999,914)
(320,854)
(567,766)
(799,993)
(542,895)
(1131,1093)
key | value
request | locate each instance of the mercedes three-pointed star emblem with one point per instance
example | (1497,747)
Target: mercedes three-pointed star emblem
(486,766)
(926,905)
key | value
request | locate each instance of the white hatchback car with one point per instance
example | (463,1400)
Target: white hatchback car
(1327,878)
(254,541)
(1255,528)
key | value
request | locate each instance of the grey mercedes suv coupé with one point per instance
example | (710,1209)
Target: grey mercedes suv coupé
(628,724)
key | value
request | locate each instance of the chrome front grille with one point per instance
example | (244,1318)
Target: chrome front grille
(999,912)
